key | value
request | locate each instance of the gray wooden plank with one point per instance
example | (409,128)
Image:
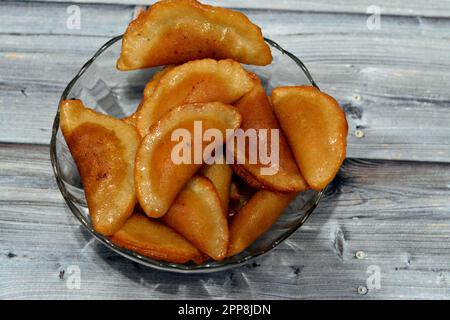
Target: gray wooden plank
(396,212)
(96,20)
(378,76)
(52,18)
(386,85)
(436,8)
(28,103)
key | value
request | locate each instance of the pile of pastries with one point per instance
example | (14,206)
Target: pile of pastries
(194,211)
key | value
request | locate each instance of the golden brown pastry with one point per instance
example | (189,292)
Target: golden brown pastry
(197,215)
(257,114)
(176,31)
(104,150)
(256,217)
(204,80)
(155,240)
(158,177)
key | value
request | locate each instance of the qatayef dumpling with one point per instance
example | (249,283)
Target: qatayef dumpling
(176,31)
(148,91)
(153,239)
(256,217)
(257,114)
(205,80)
(316,128)
(158,177)
(198,215)
(151,85)
(220,175)
(104,150)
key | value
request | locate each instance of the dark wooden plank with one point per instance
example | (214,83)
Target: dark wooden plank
(436,8)
(395,212)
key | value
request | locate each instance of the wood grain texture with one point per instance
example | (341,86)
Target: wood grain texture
(51,18)
(393,84)
(390,81)
(396,212)
(437,8)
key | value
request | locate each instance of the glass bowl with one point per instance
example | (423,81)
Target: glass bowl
(102,87)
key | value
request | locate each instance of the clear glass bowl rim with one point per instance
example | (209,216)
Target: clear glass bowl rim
(162,265)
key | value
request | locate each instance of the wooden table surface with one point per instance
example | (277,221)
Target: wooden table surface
(388,210)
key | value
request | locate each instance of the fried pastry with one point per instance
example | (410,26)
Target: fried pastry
(155,240)
(220,176)
(197,214)
(316,128)
(104,150)
(257,114)
(158,177)
(256,217)
(148,91)
(204,80)
(176,31)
